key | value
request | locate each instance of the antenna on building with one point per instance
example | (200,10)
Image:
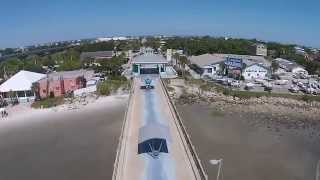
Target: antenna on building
(5,75)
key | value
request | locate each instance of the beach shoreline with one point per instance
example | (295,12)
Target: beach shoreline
(61,143)
(258,138)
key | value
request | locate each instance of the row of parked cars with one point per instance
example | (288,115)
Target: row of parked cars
(228,82)
(308,88)
(268,84)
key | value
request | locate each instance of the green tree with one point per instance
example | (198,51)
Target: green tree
(111,67)
(69,60)
(11,66)
(274,66)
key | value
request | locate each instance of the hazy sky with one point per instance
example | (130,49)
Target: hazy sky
(26,22)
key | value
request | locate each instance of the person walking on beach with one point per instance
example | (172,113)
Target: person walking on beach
(4,113)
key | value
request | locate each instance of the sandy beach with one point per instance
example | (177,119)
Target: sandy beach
(57,143)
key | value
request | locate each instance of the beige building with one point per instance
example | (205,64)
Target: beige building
(260,49)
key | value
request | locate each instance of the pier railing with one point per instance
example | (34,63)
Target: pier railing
(186,136)
(122,144)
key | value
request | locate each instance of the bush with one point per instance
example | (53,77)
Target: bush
(104,88)
(48,102)
(112,85)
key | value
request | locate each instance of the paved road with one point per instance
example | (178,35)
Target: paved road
(151,124)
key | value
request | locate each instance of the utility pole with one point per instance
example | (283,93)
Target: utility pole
(318,171)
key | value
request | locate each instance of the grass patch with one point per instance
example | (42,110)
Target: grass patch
(48,102)
(208,86)
(112,85)
(169,88)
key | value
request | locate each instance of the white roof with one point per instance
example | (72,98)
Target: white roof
(22,81)
(206,59)
(149,59)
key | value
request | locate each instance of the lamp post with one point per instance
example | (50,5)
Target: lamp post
(318,171)
(216,162)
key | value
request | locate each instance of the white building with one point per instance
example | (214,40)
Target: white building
(209,63)
(20,86)
(299,70)
(255,71)
(120,38)
(300,50)
(149,64)
(103,39)
(291,66)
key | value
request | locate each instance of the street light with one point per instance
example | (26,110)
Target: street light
(318,171)
(216,162)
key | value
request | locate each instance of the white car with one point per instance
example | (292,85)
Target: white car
(294,89)
(249,86)
(235,84)
(314,85)
(310,90)
(281,82)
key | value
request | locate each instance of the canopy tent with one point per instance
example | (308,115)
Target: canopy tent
(22,81)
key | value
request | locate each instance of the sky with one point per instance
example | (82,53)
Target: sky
(38,21)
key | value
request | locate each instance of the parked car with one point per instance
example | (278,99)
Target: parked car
(249,86)
(303,76)
(268,88)
(294,81)
(301,85)
(314,85)
(235,84)
(294,89)
(310,90)
(281,82)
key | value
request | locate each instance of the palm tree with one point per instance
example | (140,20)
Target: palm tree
(183,61)
(176,56)
(35,89)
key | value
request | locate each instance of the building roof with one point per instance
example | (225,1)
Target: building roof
(149,59)
(260,65)
(248,59)
(96,55)
(206,59)
(69,74)
(287,64)
(22,81)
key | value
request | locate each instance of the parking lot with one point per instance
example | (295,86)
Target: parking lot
(284,82)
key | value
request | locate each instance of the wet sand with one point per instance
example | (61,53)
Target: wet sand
(252,147)
(73,145)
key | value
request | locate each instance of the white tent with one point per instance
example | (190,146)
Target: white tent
(22,81)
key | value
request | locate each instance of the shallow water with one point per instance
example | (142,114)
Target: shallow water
(250,151)
(80,146)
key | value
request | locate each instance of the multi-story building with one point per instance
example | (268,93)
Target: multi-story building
(260,49)
(59,83)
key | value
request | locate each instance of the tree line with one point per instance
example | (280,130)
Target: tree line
(202,45)
(65,60)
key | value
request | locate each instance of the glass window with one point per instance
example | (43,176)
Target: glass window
(29,93)
(209,70)
(21,94)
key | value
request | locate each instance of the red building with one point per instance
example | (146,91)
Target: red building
(59,83)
